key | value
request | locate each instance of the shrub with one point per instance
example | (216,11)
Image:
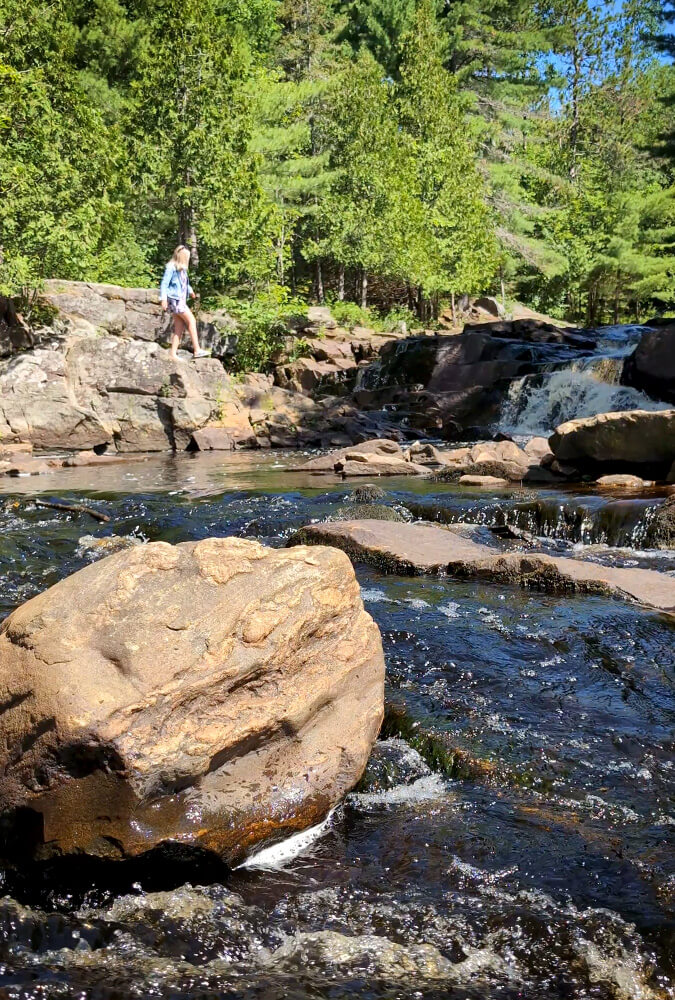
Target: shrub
(264,322)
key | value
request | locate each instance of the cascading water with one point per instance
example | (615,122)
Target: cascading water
(536,404)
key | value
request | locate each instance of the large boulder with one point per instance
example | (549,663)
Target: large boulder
(380,447)
(642,441)
(111,392)
(443,383)
(134,313)
(215,693)
(651,367)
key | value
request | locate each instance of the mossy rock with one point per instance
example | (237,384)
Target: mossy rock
(369,512)
(367,493)
(662,527)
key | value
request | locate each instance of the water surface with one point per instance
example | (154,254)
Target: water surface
(513,834)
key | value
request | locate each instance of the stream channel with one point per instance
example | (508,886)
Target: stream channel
(536,861)
(513,834)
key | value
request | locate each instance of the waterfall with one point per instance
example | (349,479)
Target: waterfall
(536,404)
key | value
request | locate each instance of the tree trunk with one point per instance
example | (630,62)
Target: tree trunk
(318,280)
(281,246)
(341,283)
(420,304)
(411,297)
(188,233)
(364,289)
(574,131)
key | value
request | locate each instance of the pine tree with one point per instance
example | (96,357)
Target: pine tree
(379,26)
(461,252)
(294,173)
(370,220)
(63,177)
(191,123)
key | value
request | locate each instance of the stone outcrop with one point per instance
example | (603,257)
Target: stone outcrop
(15,333)
(103,382)
(110,393)
(428,548)
(535,331)
(217,694)
(134,313)
(635,441)
(443,383)
(651,367)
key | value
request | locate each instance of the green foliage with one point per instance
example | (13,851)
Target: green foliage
(397,151)
(63,177)
(460,256)
(349,314)
(265,320)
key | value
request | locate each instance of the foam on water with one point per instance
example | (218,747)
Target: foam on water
(279,855)
(373,596)
(536,407)
(432,786)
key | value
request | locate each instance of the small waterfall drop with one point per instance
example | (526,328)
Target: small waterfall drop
(536,404)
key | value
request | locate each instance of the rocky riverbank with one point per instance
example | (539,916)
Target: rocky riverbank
(96,381)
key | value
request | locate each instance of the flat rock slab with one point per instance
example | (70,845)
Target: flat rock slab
(427,548)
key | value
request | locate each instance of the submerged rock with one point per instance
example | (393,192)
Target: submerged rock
(486,482)
(625,481)
(393,762)
(368,493)
(371,511)
(100,547)
(329,954)
(428,548)
(217,693)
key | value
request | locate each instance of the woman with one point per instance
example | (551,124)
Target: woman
(173,293)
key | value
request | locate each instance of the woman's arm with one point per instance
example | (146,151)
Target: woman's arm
(164,287)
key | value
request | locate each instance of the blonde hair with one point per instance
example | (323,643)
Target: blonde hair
(181,258)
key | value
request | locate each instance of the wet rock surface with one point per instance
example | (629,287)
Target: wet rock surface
(662,525)
(426,548)
(651,367)
(216,693)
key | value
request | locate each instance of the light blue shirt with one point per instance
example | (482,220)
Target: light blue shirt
(170,287)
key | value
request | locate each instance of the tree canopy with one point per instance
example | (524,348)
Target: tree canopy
(397,152)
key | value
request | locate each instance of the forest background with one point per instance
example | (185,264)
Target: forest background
(397,154)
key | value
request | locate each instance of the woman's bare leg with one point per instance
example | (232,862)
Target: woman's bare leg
(191,326)
(178,328)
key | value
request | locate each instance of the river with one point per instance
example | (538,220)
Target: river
(512,836)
